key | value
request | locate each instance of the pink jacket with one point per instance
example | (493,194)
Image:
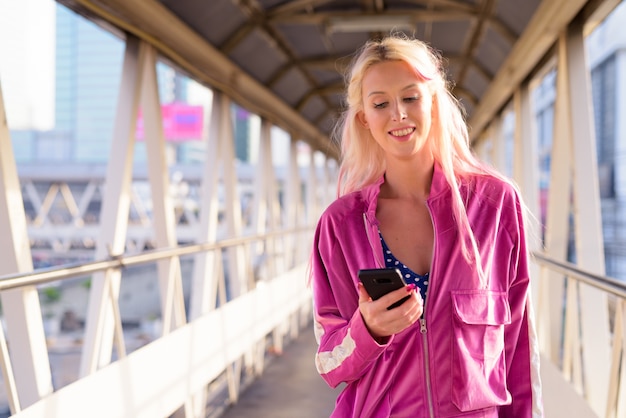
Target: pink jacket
(473,354)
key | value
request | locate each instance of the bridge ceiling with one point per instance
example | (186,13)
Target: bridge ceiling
(297,50)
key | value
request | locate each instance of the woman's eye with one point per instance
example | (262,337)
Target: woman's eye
(411,99)
(380,105)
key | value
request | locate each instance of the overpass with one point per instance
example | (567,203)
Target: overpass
(229,269)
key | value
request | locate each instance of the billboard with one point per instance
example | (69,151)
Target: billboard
(181,122)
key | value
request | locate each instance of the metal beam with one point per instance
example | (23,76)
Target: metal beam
(155,24)
(22,310)
(538,37)
(595,336)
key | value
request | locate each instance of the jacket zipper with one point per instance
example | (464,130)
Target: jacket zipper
(423,331)
(426,366)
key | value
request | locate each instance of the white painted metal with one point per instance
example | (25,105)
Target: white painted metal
(163,221)
(292,202)
(100,324)
(588,224)
(556,395)
(170,279)
(70,203)
(539,36)
(46,204)
(616,399)
(620,409)
(329,188)
(155,24)
(21,307)
(7,168)
(620,123)
(482,145)
(557,217)
(264,187)
(571,354)
(205,283)
(497,155)
(232,203)
(142,385)
(276,259)
(525,173)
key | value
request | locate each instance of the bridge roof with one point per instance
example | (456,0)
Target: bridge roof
(284,59)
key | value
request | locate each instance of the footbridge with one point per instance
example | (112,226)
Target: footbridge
(149,275)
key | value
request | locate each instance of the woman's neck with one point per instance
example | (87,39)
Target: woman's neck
(408,179)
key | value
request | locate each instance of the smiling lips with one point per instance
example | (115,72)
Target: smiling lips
(402,132)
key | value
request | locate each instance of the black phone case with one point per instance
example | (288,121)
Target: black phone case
(379,282)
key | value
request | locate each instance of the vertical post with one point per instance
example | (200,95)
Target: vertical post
(236,272)
(482,145)
(164,222)
(557,216)
(498,148)
(263,186)
(205,280)
(21,306)
(589,241)
(525,169)
(312,201)
(100,320)
(292,202)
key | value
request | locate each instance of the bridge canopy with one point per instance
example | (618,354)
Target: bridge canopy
(285,60)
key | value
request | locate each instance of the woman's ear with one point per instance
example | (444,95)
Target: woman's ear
(360,116)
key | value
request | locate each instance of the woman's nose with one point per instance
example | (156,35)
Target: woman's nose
(399,113)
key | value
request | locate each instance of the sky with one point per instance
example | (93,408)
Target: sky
(27,41)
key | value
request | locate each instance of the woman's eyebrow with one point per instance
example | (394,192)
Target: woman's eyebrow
(410,86)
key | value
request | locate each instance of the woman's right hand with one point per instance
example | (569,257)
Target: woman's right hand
(381,322)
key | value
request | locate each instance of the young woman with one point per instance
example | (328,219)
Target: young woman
(413,197)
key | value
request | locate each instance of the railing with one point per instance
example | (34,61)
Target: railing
(201,366)
(568,339)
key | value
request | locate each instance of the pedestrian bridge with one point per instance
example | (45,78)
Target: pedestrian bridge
(230,271)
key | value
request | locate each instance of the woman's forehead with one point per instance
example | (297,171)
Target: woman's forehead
(391,75)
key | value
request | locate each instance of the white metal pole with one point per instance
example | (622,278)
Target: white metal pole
(205,281)
(164,222)
(557,216)
(588,222)
(99,332)
(22,310)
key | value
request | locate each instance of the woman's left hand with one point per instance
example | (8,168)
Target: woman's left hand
(382,322)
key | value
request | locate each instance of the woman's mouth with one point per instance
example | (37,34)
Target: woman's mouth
(402,132)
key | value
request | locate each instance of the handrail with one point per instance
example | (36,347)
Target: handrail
(605,283)
(66,271)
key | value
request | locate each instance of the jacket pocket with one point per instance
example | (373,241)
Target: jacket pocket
(478,363)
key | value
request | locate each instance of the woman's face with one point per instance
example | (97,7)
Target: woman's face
(397,108)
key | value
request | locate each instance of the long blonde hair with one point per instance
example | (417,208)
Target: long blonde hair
(363,162)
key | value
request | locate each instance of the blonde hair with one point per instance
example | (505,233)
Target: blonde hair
(363,162)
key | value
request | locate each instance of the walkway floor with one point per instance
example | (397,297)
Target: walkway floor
(289,386)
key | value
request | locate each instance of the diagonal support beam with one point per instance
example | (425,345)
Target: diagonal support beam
(22,310)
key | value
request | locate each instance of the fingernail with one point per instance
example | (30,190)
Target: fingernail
(410,287)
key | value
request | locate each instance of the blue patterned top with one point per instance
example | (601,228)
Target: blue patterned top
(421,281)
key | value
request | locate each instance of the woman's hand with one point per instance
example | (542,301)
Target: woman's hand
(381,322)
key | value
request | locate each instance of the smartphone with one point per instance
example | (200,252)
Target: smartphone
(379,282)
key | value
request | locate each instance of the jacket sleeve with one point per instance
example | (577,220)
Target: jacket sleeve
(522,353)
(346,349)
